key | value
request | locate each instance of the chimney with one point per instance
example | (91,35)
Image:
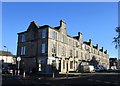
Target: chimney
(106,52)
(80,35)
(102,48)
(62,24)
(90,41)
(97,46)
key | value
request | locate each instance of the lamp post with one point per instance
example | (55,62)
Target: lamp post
(67,59)
(7,52)
(18,59)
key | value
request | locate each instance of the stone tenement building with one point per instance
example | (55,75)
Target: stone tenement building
(42,47)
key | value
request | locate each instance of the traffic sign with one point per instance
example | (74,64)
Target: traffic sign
(18,58)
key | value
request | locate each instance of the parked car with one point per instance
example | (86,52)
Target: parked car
(88,68)
(10,70)
(100,69)
(4,70)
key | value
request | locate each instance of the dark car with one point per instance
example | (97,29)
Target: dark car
(4,70)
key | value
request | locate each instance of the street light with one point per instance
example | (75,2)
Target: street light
(7,52)
(18,59)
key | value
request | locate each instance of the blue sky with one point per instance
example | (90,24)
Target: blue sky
(96,20)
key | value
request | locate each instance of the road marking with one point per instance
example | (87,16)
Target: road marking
(39,78)
(98,81)
(48,83)
(90,80)
(107,82)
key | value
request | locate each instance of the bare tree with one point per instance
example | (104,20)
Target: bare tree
(116,40)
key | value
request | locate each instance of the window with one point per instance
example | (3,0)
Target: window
(94,51)
(85,56)
(53,48)
(71,64)
(63,51)
(23,38)
(70,53)
(43,33)
(85,47)
(54,35)
(63,64)
(43,48)
(81,55)
(70,42)
(23,50)
(88,49)
(91,50)
(63,38)
(76,53)
(81,46)
(76,44)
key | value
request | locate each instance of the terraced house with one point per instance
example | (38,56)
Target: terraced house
(44,48)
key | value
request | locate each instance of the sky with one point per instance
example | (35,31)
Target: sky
(96,21)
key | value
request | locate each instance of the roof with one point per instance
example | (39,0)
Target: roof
(76,37)
(5,53)
(57,28)
(88,43)
(43,26)
(95,47)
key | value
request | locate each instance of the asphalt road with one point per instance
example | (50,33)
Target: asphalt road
(89,79)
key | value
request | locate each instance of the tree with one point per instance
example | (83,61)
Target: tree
(116,39)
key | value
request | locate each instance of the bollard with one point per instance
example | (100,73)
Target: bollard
(15,72)
(67,75)
(24,74)
(18,72)
(53,75)
(12,72)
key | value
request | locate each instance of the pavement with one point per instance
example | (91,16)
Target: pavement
(61,80)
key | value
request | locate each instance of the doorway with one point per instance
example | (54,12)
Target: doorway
(59,65)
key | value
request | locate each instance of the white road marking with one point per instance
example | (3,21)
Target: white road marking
(90,80)
(98,81)
(107,82)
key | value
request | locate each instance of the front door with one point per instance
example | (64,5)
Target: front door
(67,66)
(59,65)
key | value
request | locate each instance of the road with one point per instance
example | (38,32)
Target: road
(89,79)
